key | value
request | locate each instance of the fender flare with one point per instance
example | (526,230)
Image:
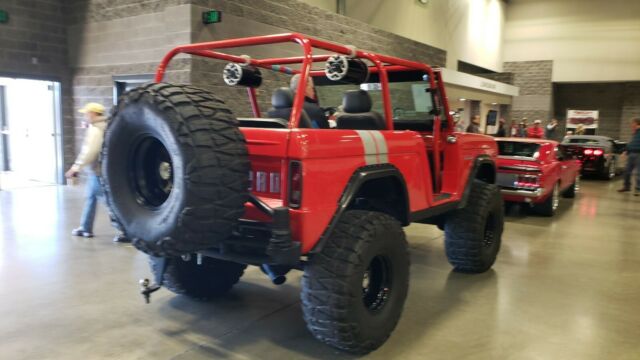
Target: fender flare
(478,162)
(358,179)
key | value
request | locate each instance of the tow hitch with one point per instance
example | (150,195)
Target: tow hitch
(146,288)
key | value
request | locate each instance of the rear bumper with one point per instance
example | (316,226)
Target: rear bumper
(522,192)
(522,195)
(258,243)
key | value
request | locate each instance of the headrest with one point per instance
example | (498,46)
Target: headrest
(282,98)
(356,101)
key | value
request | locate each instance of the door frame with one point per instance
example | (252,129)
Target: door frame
(58,126)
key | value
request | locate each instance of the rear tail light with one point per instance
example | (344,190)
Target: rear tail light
(597,152)
(588,151)
(527,182)
(295,184)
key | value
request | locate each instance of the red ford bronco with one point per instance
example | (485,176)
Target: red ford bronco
(206,193)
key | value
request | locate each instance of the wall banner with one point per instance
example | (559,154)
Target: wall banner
(587,118)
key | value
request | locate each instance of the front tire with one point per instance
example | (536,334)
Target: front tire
(473,234)
(354,289)
(210,279)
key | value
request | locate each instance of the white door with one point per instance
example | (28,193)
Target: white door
(31,125)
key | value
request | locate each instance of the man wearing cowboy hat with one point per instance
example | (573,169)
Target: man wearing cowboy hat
(88,159)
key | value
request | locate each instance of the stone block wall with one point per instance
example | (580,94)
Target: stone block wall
(607,98)
(114,38)
(260,17)
(534,80)
(85,43)
(504,77)
(33,44)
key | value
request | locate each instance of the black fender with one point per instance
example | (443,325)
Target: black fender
(479,171)
(360,177)
(484,168)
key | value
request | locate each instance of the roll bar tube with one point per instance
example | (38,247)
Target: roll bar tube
(382,65)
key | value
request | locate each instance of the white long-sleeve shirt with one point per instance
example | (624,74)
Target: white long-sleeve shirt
(91,147)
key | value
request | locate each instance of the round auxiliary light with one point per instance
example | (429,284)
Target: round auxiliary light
(235,74)
(344,69)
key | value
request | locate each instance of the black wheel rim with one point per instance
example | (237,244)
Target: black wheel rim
(376,284)
(489,232)
(151,172)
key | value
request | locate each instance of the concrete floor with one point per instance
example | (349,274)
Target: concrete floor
(562,288)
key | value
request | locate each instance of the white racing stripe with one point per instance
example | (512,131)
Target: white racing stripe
(375,147)
(382,146)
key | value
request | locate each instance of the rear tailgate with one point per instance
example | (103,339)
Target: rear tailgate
(268,155)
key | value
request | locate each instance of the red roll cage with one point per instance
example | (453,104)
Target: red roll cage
(383,64)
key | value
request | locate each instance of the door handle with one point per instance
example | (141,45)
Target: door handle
(452,139)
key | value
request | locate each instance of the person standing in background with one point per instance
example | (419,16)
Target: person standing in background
(536,130)
(514,129)
(522,130)
(88,159)
(550,129)
(502,132)
(633,159)
(474,126)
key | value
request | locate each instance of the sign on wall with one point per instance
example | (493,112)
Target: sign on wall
(587,118)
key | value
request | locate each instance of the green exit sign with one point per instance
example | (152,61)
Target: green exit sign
(4,17)
(211,16)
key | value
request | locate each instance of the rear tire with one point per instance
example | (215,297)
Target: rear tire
(473,234)
(609,171)
(212,278)
(354,289)
(551,203)
(573,189)
(175,169)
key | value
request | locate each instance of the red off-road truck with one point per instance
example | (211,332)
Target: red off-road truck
(206,193)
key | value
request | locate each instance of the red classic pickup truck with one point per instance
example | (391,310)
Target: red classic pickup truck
(536,172)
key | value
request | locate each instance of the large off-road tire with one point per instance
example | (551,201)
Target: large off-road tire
(473,234)
(174,168)
(572,190)
(549,206)
(353,290)
(212,278)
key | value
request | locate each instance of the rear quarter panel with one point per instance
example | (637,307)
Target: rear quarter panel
(330,158)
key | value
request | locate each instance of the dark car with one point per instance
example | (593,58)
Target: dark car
(600,155)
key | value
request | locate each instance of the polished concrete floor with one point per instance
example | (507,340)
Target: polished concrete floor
(562,288)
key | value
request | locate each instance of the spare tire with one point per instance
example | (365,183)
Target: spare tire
(175,169)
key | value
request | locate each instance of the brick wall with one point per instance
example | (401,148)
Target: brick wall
(534,80)
(33,44)
(260,17)
(630,108)
(608,98)
(113,38)
(84,43)
(504,77)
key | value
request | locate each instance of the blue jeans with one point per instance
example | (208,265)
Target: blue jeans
(94,191)
(633,162)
